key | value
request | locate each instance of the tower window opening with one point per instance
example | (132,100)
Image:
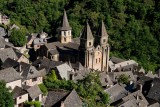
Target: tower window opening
(89,43)
(104,40)
(99,59)
(96,60)
(64,39)
(64,33)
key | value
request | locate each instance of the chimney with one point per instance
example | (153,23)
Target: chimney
(137,97)
(140,87)
(20,68)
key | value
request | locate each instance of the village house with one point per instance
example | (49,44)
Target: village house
(34,93)
(20,96)
(62,98)
(31,76)
(11,77)
(13,54)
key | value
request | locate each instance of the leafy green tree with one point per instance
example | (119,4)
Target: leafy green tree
(18,37)
(124,79)
(6,99)
(33,103)
(43,88)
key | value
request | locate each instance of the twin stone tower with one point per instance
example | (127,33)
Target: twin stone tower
(93,51)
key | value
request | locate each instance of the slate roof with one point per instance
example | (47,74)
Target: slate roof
(9,63)
(76,40)
(54,52)
(8,53)
(64,70)
(4,44)
(77,66)
(144,79)
(154,105)
(115,75)
(138,99)
(81,74)
(34,91)
(154,92)
(87,34)
(46,63)
(53,45)
(29,71)
(18,91)
(130,103)
(9,75)
(116,92)
(2,32)
(116,60)
(71,45)
(73,100)
(105,79)
(54,98)
(65,23)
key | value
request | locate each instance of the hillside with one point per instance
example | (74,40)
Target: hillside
(133,25)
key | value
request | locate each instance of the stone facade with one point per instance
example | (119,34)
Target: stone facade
(20,100)
(93,51)
(13,84)
(33,81)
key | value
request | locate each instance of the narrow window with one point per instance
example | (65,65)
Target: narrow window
(89,43)
(99,59)
(64,33)
(34,79)
(96,60)
(104,40)
(64,39)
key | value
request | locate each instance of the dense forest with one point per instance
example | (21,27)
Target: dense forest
(133,25)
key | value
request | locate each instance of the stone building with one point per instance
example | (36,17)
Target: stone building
(92,51)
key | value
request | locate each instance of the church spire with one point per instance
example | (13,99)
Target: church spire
(86,38)
(102,30)
(101,35)
(65,23)
(87,34)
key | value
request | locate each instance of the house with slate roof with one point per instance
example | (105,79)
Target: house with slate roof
(13,54)
(62,98)
(11,77)
(116,93)
(20,96)
(31,76)
(91,51)
(135,99)
(34,93)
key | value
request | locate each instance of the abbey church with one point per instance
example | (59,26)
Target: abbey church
(91,51)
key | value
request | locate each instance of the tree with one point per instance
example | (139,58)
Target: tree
(124,79)
(6,99)
(43,89)
(18,37)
